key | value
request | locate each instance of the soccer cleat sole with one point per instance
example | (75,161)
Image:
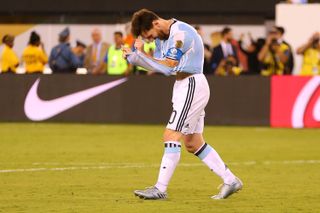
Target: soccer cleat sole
(146,198)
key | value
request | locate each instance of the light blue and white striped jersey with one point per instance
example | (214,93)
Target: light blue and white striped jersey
(184,45)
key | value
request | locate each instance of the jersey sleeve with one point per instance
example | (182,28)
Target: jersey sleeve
(178,44)
(138,58)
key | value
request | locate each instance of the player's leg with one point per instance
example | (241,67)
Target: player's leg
(195,144)
(170,159)
(182,94)
(169,162)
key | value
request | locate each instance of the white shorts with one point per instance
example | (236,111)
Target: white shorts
(189,99)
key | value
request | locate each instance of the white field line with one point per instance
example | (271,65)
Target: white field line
(97,166)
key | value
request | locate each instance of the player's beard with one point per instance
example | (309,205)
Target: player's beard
(162,35)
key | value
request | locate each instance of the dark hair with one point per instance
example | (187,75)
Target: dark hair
(142,21)
(225,31)
(280,30)
(4,39)
(197,27)
(118,33)
(7,39)
(260,43)
(80,44)
(34,38)
(315,41)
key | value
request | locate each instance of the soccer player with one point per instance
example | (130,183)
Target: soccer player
(179,50)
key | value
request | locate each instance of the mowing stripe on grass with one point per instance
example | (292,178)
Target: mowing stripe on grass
(90,166)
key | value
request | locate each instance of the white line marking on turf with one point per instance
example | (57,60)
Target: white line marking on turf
(90,166)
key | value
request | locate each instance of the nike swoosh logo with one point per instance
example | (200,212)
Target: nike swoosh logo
(39,110)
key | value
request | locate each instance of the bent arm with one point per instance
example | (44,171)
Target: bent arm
(165,66)
(241,48)
(263,52)
(303,48)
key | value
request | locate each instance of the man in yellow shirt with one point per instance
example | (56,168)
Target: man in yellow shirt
(34,56)
(115,64)
(273,56)
(9,60)
(228,67)
(311,56)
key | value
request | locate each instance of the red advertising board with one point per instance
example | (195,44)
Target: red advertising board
(295,101)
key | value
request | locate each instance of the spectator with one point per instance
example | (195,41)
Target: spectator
(215,38)
(96,53)
(115,64)
(279,33)
(9,59)
(311,56)
(228,67)
(129,38)
(79,51)
(62,59)
(252,53)
(297,1)
(273,56)
(224,49)
(34,56)
(207,53)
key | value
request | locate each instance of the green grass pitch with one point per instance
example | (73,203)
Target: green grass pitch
(95,168)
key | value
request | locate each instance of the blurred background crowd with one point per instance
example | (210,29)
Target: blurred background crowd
(225,54)
(229,55)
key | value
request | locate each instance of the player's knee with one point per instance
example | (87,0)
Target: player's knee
(188,144)
(189,147)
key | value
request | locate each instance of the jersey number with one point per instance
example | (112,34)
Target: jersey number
(173,116)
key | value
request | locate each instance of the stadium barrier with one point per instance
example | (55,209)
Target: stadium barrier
(280,101)
(137,99)
(295,101)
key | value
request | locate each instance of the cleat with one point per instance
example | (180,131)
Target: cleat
(151,193)
(228,189)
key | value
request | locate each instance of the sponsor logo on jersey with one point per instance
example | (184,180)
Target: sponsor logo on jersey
(179,44)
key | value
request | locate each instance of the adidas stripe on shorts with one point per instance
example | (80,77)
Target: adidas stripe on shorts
(189,99)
